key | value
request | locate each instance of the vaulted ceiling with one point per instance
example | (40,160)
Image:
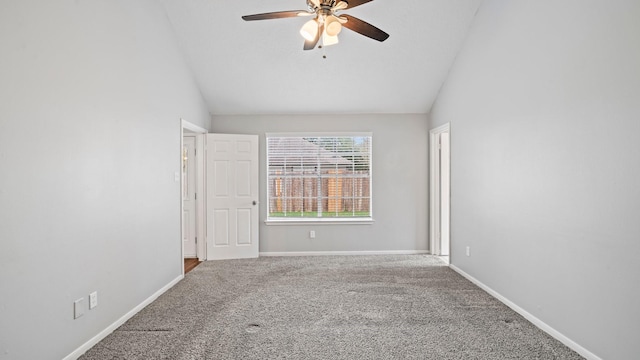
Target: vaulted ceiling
(259,67)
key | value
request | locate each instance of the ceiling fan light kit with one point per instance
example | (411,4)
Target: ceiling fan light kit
(327,22)
(309,30)
(328,39)
(332,26)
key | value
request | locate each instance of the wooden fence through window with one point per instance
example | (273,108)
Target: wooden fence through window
(340,191)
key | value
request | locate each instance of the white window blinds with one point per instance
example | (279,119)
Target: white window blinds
(315,177)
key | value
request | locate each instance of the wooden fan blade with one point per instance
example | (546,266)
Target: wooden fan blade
(310,45)
(364,28)
(354,3)
(276,15)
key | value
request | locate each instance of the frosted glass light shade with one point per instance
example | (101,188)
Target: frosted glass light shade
(332,26)
(309,30)
(329,40)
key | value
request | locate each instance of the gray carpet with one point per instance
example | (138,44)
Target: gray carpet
(329,307)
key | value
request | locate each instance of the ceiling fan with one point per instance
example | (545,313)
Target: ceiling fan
(327,22)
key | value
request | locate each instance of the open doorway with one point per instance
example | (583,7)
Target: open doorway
(189,197)
(439,180)
(192,196)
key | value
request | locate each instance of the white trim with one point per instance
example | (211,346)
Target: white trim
(109,329)
(201,198)
(182,124)
(320,221)
(320,134)
(193,127)
(329,253)
(434,187)
(534,320)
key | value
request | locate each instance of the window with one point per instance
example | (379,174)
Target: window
(319,177)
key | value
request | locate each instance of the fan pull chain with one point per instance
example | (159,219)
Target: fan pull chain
(324,53)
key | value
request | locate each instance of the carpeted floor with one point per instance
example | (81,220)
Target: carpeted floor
(328,307)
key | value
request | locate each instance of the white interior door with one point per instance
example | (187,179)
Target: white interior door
(189,196)
(232,196)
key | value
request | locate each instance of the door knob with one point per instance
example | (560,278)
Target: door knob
(255,202)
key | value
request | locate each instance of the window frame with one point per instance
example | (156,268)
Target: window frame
(363,220)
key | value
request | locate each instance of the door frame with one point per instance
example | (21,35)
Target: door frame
(435,178)
(201,250)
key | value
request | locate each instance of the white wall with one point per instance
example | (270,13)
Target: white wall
(91,96)
(544,105)
(399,182)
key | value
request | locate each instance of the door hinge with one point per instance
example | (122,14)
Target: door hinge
(196,239)
(196,196)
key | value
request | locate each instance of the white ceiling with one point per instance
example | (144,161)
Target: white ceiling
(259,67)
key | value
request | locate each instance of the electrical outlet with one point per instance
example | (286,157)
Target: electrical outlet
(468,251)
(78,308)
(312,234)
(93,300)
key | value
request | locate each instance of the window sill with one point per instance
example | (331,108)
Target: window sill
(320,221)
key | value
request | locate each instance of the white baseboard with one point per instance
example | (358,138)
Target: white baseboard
(104,333)
(324,253)
(537,322)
